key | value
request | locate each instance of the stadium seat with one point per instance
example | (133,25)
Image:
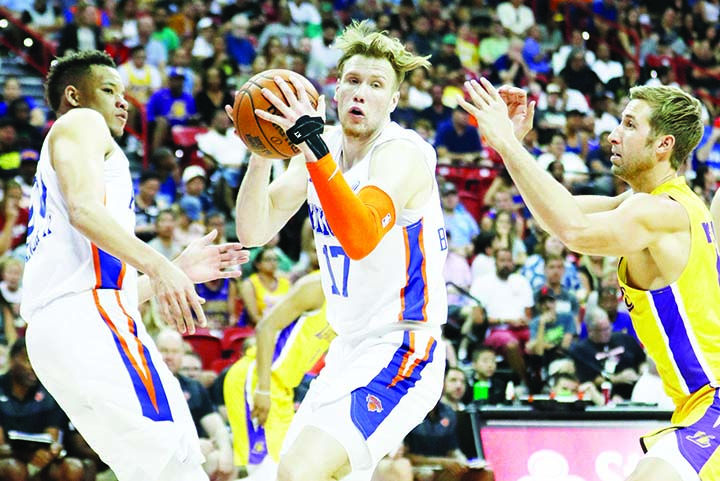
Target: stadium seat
(184,138)
(218,365)
(234,339)
(207,346)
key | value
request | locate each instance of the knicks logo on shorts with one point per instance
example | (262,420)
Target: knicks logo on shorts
(701,439)
(374,405)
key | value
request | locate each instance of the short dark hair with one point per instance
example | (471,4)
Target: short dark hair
(476,353)
(69,70)
(149,175)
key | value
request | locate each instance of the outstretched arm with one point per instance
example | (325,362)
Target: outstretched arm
(305,295)
(600,233)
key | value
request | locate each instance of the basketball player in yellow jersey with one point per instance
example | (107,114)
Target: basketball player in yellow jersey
(664,236)
(291,338)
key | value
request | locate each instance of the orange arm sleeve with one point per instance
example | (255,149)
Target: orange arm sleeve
(358,221)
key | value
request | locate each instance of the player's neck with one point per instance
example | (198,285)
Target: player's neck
(652,180)
(356,148)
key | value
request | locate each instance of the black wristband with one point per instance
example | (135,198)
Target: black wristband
(308,129)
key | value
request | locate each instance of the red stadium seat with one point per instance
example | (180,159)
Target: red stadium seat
(218,365)
(207,346)
(234,338)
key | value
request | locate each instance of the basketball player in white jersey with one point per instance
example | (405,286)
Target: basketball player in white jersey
(380,237)
(85,338)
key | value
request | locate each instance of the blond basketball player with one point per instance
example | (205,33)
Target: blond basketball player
(664,236)
(85,338)
(379,234)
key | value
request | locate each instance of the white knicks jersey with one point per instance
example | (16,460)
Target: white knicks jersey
(402,278)
(59,259)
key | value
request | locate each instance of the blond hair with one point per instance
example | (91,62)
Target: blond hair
(360,39)
(673,112)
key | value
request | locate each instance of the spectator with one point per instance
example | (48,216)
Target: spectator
(609,299)
(189,220)
(437,112)
(155,49)
(46,19)
(323,57)
(140,79)
(239,45)
(13,218)
(533,54)
(484,370)
(180,62)
(264,287)
(170,106)
(507,236)
(483,263)
(565,301)
(649,388)
(576,171)
(164,241)
(511,68)
(577,140)
(446,54)
(213,94)
(418,95)
(467,47)
(83,33)
(12,90)
(165,165)
(220,305)
(9,148)
(203,45)
(607,356)
(516,17)
(147,206)
(194,183)
(551,117)
(454,388)
(27,407)
(495,45)
(551,334)
(578,75)
(220,145)
(456,140)
(404,114)
(604,67)
(283,29)
(462,226)
(163,32)
(577,43)
(508,300)
(433,444)
(534,268)
(215,442)
(564,384)
(28,135)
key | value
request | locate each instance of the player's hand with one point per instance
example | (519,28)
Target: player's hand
(203,261)
(521,113)
(226,466)
(177,299)
(490,111)
(297,104)
(261,408)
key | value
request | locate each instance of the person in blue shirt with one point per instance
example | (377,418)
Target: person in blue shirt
(170,106)
(461,226)
(456,139)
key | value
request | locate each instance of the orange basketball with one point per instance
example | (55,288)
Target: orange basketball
(262,137)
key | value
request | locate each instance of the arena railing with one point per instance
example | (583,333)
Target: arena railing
(39,53)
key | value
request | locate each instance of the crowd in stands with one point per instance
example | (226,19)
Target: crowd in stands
(526,316)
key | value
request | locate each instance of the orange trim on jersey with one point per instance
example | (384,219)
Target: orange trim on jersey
(121,278)
(96,266)
(407,275)
(411,349)
(423,270)
(144,375)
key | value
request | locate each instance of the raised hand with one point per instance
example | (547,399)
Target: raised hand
(520,112)
(203,261)
(297,104)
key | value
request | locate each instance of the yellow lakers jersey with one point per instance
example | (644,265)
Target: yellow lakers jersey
(679,324)
(265,297)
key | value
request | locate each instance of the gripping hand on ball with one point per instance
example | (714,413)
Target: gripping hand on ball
(298,106)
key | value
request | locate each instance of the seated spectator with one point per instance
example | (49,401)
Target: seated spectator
(10,148)
(140,79)
(240,47)
(516,17)
(454,388)
(458,222)
(507,235)
(11,288)
(483,263)
(551,334)
(565,301)
(170,106)
(484,370)
(194,181)
(649,388)
(446,54)
(576,171)
(189,225)
(323,57)
(164,240)
(511,67)
(28,131)
(607,356)
(165,165)
(456,141)
(44,17)
(534,268)
(404,114)
(147,206)
(83,33)
(507,298)
(437,112)
(213,95)
(609,299)
(215,442)
(563,384)
(264,287)
(536,60)
(13,219)
(495,45)
(220,145)
(27,407)
(220,305)
(433,446)
(605,67)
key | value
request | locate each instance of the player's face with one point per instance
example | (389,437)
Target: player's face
(632,153)
(366,95)
(104,93)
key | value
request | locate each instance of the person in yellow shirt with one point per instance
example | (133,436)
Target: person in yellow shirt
(259,388)
(669,269)
(262,289)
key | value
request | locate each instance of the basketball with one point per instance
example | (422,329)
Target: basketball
(260,136)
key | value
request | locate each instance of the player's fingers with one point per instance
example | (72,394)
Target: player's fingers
(165,312)
(176,313)
(196,305)
(300,90)
(277,101)
(275,119)
(490,89)
(477,94)
(467,106)
(229,112)
(321,107)
(290,96)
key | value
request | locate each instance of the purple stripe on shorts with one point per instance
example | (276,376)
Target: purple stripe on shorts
(699,441)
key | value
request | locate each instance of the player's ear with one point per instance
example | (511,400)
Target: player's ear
(666,143)
(72,96)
